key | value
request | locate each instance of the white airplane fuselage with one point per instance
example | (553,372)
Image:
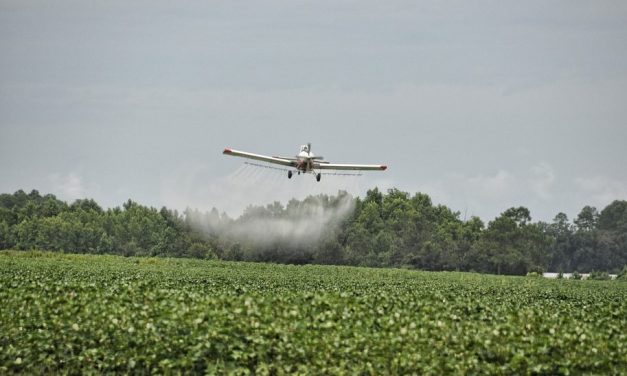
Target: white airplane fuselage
(304,159)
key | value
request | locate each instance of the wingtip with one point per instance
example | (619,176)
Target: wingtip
(226,151)
(384,167)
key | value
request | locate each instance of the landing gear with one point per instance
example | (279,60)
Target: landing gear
(318,176)
(289,174)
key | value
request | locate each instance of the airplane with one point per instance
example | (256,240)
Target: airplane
(304,162)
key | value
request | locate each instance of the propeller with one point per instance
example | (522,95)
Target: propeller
(309,152)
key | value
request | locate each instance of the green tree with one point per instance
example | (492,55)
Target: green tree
(587,219)
(562,247)
(6,236)
(511,245)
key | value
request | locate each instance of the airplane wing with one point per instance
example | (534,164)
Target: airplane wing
(336,166)
(286,158)
(259,157)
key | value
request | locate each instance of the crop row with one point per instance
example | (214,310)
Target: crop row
(77,314)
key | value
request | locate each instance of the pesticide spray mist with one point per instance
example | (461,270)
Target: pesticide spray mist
(298,224)
(255,197)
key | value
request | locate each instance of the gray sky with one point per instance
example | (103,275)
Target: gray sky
(483,105)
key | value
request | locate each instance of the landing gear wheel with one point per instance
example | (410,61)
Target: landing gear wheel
(289,174)
(318,177)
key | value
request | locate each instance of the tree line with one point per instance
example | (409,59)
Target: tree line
(382,229)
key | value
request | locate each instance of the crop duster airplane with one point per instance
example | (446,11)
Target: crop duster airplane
(304,162)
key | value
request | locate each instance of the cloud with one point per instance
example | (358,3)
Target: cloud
(487,195)
(498,185)
(542,180)
(69,187)
(600,191)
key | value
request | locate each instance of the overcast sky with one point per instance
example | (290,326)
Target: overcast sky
(483,105)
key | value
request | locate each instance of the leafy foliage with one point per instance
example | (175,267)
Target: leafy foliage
(105,314)
(599,276)
(392,229)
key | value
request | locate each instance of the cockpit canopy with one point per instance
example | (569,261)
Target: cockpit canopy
(304,148)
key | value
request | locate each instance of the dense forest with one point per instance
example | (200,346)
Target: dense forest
(392,229)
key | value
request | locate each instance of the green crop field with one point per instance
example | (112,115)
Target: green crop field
(93,314)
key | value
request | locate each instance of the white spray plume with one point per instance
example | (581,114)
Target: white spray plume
(253,195)
(300,223)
